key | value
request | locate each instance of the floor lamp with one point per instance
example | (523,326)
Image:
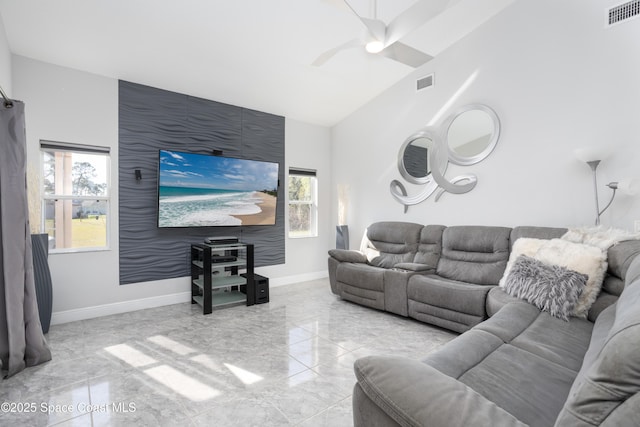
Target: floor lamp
(342,230)
(593,157)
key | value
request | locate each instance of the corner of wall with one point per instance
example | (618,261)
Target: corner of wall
(5,60)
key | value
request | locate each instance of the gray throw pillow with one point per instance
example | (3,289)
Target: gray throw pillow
(551,288)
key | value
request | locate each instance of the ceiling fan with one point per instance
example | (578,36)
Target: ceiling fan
(383,39)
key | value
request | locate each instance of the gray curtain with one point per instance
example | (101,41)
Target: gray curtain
(22,342)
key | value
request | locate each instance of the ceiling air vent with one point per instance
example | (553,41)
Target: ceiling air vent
(622,12)
(427,81)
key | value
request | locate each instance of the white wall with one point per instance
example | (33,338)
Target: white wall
(558,81)
(5,61)
(74,106)
(308,147)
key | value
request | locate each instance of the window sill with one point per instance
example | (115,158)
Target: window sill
(77,250)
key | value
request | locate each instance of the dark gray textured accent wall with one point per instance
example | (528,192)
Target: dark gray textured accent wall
(152,119)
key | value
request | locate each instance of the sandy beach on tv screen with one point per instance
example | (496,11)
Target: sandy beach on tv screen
(266,217)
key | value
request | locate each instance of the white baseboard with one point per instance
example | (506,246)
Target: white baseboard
(118,308)
(84,313)
(288,280)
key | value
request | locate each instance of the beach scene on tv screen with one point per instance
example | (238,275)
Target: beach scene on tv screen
(196,190)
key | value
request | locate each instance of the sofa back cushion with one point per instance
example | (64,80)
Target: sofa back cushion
(619,257)
(535,233)
(430,245)
(607,387)
(388,243)
(474,254)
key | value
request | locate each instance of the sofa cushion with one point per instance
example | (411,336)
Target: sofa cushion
(564,344)
(608,383)
(513,320)
(545,233)
(415,267)
(613,285)
(450,294)
(498,298)
(362,296)
(535,398)
(344,255)
(361,276)
(499,359)
(430,245)
(551,288)
(388,243)
(443,317)
(619,258)
(395,391)
(584,259)
(604,300)
(450,304)
(474,254)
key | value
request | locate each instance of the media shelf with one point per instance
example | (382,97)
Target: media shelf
(220,273)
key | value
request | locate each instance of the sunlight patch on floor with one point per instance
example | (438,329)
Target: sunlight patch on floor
(243,375)
(130,355)
(182,384)
(172,345)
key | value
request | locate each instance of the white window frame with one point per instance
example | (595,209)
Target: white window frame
(313,203)
(54,146)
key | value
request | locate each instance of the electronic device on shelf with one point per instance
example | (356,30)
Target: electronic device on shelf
(222,258)
(222,240)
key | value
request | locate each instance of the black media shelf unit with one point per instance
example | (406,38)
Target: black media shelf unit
(216,278)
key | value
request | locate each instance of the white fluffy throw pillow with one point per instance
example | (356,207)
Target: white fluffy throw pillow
(599,236)
(523,246)
(585,259)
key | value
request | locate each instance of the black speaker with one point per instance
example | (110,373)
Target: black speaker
(261,287)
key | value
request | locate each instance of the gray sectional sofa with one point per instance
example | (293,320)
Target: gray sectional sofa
(520,367)
(517,365)
(435,274)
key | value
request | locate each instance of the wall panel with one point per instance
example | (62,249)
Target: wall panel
(152,119)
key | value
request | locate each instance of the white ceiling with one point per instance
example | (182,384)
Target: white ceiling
(252,53)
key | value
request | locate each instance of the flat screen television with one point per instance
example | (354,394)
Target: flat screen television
(200,190)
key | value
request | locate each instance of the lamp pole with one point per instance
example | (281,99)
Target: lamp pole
(594,165)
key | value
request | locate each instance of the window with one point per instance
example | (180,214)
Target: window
(75,196)
(302,203)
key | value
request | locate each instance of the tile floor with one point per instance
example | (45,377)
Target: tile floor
(288,362)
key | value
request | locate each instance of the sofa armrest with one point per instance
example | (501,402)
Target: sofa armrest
(413,393)
(415,267)
(344,255)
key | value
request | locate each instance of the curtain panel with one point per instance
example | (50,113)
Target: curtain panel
(22,342)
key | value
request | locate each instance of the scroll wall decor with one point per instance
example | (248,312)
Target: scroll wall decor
(465,138)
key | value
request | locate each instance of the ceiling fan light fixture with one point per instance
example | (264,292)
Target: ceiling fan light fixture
(374,46)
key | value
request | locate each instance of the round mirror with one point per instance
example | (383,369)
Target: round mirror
(415,157)
(471,133)
(414,161)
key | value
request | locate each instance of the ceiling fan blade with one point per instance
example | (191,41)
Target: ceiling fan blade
(324,57)
(376,27)
(412,18)
(406,54)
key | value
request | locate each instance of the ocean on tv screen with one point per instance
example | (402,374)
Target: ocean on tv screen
(197,190)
